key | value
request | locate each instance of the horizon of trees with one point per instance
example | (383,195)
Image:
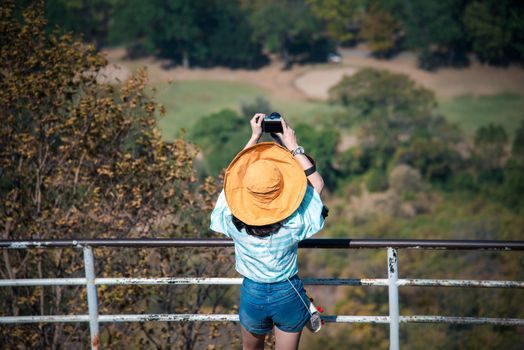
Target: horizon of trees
(240,33)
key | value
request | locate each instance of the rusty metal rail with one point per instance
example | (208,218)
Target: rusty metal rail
(393,282)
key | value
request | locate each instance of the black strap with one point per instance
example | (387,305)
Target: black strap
(325,212)
(310,171)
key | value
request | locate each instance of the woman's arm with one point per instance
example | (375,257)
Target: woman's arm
(289,139)
(256,129)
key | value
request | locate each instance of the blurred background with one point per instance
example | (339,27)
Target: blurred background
(412,110)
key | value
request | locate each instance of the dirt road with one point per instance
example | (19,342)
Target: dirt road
(314,81)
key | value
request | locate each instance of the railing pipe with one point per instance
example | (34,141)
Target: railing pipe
(375,282)
(323,243)
(394,314)
(92,297)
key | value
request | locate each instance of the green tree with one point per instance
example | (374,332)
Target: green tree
(491,142)
(220,136)
(434,28)
(512,192)
(321,145)
(189,32)
(396,122)
(390,107)
(435,160)
(341,17)
(380,29)
(79,158)
(286,27)
(91,18)
(517,150)
(495,29)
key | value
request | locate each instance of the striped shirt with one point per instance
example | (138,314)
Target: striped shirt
(273,258)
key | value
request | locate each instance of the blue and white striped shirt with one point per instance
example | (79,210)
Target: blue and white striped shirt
(273,258)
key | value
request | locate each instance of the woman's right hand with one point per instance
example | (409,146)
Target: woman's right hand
(256,125)
(288,137)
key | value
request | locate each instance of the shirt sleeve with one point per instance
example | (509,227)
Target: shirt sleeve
(310,214)
(221,216)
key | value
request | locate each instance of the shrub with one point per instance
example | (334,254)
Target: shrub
(376,180)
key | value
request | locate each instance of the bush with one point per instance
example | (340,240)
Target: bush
(404,178)
(434,159)
(376,181)
(220,136)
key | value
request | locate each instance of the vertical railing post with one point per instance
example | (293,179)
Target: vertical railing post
(394,338)
(92,298)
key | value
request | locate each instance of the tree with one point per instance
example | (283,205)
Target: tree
(512,192)
(380,29)
(397,123)
(283,24)
(435,160)
(220,136)
(201,33)
(495,29)
(321,145)
(390,106)
(341,17)
(434,28)
(490,150)
(517,150)
(79,158)
(91,18)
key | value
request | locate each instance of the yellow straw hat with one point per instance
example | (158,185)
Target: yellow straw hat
(264,184)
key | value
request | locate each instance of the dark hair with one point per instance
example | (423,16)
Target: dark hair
(257,231)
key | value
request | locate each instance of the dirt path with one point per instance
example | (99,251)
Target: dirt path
(477,79)
(313,81)
(270,78)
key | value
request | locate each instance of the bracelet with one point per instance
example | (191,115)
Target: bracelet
(310,171)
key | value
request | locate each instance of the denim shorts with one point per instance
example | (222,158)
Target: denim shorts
(263,305)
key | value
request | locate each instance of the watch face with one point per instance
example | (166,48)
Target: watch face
(299,150)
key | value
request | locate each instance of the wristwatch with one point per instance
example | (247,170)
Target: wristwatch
(298,150)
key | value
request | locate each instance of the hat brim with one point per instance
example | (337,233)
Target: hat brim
(240,201)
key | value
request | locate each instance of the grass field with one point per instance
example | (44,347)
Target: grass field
(471,112)
(186,102)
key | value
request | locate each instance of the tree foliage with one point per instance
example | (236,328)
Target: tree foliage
(287,27)
(381,30)
(321,145)
(495,29)
(434,28)
(490,147)
(79,158)
(220,136)
(390,107)
(202,33)
(341,17)
(90,18)
(233,33)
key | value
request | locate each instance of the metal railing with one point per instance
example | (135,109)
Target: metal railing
(392,282)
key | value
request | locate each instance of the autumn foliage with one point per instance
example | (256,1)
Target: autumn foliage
(82,158)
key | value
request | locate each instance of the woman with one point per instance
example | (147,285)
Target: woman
(270,202)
